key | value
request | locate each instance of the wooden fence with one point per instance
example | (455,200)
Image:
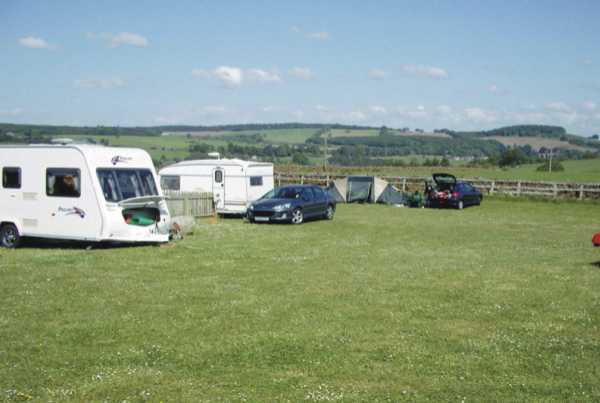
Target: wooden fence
(190,204)
(578,191)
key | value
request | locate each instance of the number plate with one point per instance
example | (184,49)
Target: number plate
(261,218)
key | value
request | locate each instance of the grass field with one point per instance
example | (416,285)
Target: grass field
(495,303)
(587,171)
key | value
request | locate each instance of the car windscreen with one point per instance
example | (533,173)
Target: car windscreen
(287,193)
(282,193)
(122,184)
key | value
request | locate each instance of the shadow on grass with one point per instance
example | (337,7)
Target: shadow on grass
(596,264)
(39,243)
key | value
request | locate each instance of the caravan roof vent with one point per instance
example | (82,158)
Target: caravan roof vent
(215,155)
(62,141)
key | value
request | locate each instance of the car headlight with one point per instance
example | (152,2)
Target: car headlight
(251,207)
(281,207)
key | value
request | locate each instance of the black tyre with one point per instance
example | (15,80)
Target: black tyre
(329,213)
(297,216)
(9,236)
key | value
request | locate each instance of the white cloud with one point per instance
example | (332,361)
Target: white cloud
(166,120)
(494,89)
(427,71)
(558,107)
(298,114)
(11,112)
(443,110)
(480,115)
(201,73)
(295,29)
(269,108)
(356,116)
(33,42)
(229,76)
(233,77)
(303,73)
(322,108)
(101,83)
(264,76)
(377,74)
(127,38)
(320,36)
(589,106)
(120,39)
(417,113)
(378,109)
(213,110)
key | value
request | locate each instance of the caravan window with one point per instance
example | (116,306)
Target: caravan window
(63,182)
(218,176)
(256,181)
(11,178)
(170,182)
(121,184)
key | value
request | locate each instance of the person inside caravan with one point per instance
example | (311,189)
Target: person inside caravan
(63,184)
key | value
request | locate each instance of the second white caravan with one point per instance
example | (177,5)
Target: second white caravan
(80,192)
(234,183)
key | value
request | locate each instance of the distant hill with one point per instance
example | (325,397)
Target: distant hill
(532,135)
(537,143)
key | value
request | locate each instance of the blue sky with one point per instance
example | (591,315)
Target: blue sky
(436,64)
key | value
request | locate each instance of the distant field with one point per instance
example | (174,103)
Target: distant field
(354,133)
(375,132)
(536,142)
(497,303)
(276,136)
(170,146)
(587,171)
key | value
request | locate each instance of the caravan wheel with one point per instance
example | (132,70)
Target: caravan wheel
(9,236)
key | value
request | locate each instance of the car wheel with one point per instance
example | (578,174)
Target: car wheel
(297,216)
(9,236)
(330,212)
(461,205)
(479,200)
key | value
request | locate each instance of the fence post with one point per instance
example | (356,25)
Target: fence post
(302,179)
(493,187)
(404,184)
(519,188)
(278,180)
(555,190)
(327,180)
(581,192)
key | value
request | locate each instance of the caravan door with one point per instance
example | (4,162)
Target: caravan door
(218,188)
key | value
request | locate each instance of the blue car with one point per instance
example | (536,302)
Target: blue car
(294,204)
(448,192)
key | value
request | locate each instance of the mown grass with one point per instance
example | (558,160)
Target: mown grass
(496,303)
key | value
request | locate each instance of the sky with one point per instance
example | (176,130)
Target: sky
(462,65)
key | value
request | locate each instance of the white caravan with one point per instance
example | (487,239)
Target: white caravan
(234,183)
(80,192)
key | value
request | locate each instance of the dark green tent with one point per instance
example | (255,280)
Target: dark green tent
(365,189)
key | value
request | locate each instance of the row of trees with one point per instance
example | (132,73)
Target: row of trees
(390,144)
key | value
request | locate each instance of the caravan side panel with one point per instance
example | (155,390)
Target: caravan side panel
(259,181)
(46,204)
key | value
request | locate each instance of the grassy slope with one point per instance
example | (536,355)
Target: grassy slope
(496,303)
(575,171)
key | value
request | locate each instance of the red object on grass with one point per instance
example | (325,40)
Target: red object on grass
(596,239)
